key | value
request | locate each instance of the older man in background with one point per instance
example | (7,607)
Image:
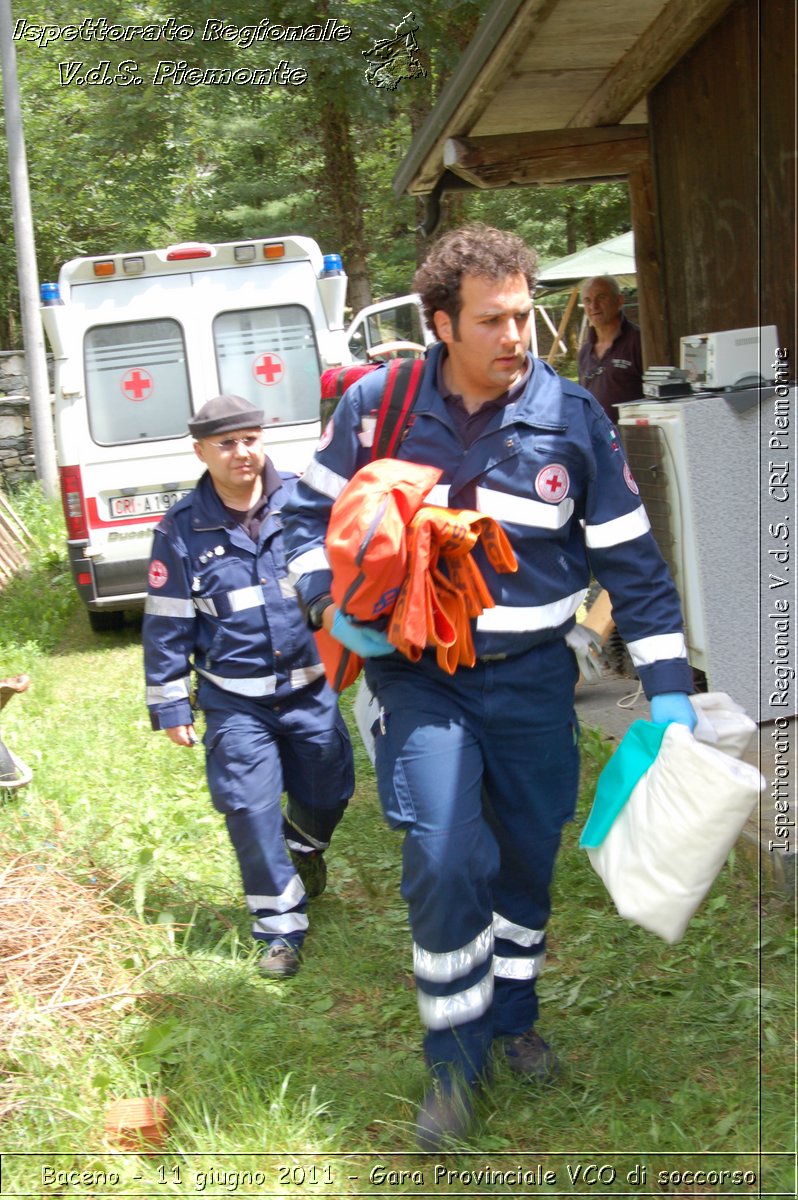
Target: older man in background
(610,360)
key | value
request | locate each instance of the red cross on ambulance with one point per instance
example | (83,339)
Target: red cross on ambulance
(137,384)
(268,369)
(551,483)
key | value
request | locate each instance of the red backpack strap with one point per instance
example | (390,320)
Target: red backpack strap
(401,389)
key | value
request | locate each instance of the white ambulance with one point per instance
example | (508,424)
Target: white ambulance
(140,342)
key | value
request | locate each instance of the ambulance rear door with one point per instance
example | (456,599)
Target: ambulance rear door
(260,326)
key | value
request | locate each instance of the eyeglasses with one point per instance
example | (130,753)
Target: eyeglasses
(231,444)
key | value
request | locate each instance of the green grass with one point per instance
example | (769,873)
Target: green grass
(677,1057)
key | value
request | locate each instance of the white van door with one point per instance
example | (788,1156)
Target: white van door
(387,329)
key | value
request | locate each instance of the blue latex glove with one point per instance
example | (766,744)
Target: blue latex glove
(362,639)
(673,706)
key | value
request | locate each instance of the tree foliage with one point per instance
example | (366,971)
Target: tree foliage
(123,165)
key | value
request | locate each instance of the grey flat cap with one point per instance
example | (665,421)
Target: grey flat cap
(225,414)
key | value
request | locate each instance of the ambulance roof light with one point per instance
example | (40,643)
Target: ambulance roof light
(104,268)
(49,293)
(187,250)
(274,250)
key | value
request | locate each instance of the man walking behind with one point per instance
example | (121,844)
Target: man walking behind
(220,601)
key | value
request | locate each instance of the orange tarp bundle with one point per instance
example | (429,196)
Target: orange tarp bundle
(366,535)
(393,555)
(435,606)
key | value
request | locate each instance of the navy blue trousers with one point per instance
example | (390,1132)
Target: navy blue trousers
(481,771)
(254,752)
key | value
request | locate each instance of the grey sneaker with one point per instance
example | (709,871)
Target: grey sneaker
(312,870)
(528,1054)
(445,1116)
(280,961)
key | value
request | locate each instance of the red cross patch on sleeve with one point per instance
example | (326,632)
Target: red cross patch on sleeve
(552,483)
(630,479)
(158,574)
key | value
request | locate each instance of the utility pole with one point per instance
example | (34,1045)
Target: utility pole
(27,271)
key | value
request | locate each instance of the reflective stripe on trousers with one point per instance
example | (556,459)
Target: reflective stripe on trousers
(254,752)
(481,770)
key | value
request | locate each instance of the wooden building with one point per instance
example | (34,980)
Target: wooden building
(691,101)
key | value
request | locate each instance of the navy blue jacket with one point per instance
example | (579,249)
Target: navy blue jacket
(224,604)
(550,468)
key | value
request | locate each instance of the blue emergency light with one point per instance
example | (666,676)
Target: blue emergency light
(49,293)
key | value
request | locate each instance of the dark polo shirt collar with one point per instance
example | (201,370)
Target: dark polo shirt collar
(251,521)
(470,425)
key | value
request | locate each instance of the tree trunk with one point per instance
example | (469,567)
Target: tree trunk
(343,189)
(570,228)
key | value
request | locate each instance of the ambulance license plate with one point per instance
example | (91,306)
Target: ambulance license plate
(144,504)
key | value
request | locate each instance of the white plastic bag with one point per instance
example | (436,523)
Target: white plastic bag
(722,723)
(666,845)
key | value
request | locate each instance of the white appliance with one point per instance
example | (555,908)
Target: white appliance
(731,358)
(701,479)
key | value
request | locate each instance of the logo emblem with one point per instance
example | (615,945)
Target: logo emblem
(326,436)
(630,479)
(393,59)
(268,369)
(137,384)
(158,574)
(552,483)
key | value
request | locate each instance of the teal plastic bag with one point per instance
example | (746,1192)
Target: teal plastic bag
(635,754)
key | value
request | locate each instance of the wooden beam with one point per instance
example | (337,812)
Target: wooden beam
(549,156)
(668,38)
(499,42)
(569,308)
(10,521)
(651,295)
(541,309)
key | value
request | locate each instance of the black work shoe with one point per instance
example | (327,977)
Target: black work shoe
(528,1054)
(280,961)
(445,1116)
(312,870)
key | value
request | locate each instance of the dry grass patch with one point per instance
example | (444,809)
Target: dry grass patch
(62,959)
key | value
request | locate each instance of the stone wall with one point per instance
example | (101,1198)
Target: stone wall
(17,463)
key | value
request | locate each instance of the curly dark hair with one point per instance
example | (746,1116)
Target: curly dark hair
(475,249)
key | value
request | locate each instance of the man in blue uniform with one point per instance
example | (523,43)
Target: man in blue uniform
(480,769)
(219,600)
